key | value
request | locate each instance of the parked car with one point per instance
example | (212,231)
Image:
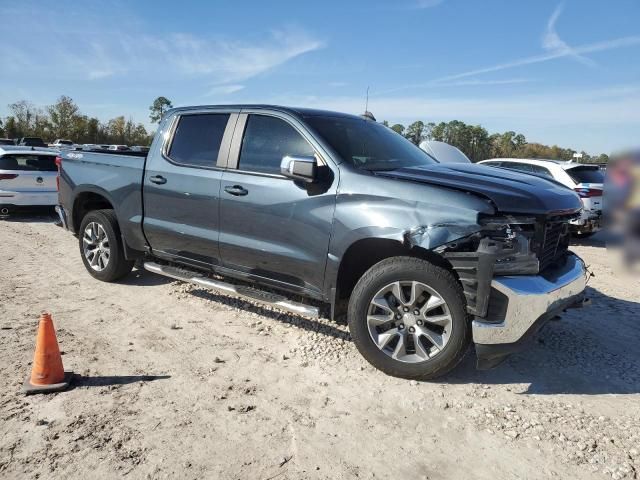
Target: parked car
(27,177)
(422,258)
(6,141)
(586,180)
(443,152)
(119,148)
(139,148)
(32,142)
(61,143)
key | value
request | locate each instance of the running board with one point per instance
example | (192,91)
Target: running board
(249,293)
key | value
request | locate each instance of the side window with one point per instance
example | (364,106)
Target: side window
(196,141)
(541,171)
(268,139)
(521,167)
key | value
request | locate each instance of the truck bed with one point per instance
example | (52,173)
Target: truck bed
(117,176)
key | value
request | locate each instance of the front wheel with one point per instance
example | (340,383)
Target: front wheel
(408,318)
(101,247)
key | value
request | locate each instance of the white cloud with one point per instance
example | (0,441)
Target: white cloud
(115,49)
(552,42)
(224,89)
(556,47)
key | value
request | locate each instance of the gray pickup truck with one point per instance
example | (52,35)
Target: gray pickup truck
(314,211)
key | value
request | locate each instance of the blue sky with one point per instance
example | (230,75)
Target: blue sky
(564,73)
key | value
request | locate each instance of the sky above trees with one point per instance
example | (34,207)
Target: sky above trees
(560,73)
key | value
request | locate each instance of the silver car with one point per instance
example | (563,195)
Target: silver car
(27,177)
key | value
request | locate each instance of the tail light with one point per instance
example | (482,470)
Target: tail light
(59,165)
(588,192)
(8,176)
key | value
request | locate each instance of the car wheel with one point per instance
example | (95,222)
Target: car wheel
(408,318)
(101,246)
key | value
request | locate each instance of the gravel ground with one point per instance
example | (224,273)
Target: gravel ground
(174,380)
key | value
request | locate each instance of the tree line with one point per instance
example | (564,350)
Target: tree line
(477,144)
(64,120)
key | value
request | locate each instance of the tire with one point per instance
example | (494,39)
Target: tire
(437,285)
(116,266)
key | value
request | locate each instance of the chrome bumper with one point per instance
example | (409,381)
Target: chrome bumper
(63,217)
(530,298)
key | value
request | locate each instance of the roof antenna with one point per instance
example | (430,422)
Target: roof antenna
(367,115)
(366,103)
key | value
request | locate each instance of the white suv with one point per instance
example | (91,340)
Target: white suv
(586,180)
(27,177)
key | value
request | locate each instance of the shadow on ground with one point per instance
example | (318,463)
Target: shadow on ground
(591,351)
(104,381)
(139,277)
(31,215)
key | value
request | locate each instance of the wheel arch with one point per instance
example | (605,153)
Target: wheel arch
(86,199)
(363,254)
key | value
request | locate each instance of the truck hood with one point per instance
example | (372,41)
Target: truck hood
(511,192)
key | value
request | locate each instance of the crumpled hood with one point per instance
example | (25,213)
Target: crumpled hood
(510,191)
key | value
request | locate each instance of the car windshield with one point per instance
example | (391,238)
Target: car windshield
(368,145)
(586,174)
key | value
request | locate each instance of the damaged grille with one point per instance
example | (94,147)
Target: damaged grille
(553,243)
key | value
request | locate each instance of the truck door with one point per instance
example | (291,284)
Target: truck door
(181,188)
(273,227)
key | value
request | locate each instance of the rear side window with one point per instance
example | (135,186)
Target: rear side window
(268,139)
(36,163)
(541,171)
(586,174)
(521,167)
(196,141)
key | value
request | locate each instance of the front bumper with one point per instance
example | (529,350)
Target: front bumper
(530,300)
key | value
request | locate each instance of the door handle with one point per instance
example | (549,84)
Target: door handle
(158,179)
(236,190)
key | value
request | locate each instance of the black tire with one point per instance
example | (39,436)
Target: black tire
(117,266)
(410,269)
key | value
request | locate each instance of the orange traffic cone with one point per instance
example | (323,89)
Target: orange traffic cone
(47,373)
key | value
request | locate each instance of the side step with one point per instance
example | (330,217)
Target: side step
(242,291)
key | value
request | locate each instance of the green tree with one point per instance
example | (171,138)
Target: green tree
(398,128)
(10,127)
(63,115)
(117,130)
(158,108)
(24,115)
(415,132)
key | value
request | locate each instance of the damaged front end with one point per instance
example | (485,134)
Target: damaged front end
(516,273)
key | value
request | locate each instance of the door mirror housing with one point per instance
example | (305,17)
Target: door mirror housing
(299,168)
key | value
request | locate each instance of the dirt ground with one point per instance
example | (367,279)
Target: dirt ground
(172,380)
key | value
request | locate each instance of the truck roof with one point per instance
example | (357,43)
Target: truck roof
(295,111)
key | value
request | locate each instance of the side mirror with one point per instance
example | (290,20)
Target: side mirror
(299,168)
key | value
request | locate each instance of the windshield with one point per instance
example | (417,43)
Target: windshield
(368,145)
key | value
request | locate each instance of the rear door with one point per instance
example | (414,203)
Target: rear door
(275,229)
(181,187)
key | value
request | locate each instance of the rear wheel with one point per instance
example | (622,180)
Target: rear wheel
(101,246)
(408,318)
